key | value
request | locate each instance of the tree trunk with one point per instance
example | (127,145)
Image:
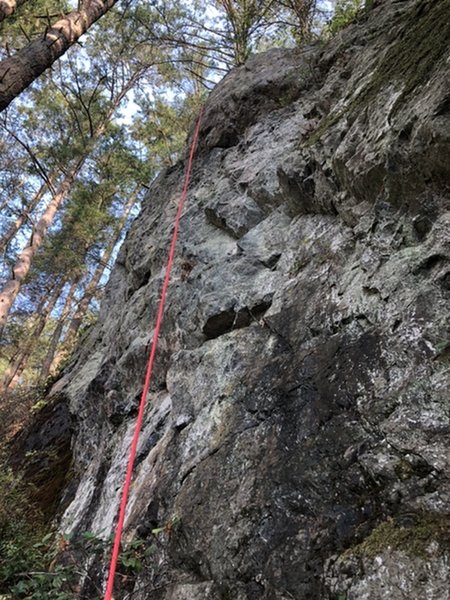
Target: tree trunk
(48,362)
(22,265)
(7,7)
(13,373)
(9,193)
(18,71)
(21,219)
(92,286)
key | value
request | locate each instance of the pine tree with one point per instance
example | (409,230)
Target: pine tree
(21,219)
(7,7)
(92,285)
(21,69)
(12,375)
(96,117)
(52,360)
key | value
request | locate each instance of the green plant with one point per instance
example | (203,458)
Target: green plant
(39,405)
(134,554)
(26,547)
(39,564)
(170,526)
(346,11)
(45,585)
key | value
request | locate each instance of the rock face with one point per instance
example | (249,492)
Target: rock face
(297,440)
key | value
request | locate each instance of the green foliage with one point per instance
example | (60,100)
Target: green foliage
(134,555)
(38,564)
(29,20)
(24,543)
(172,524)
(345,13)
(161,128)
(45,585)
(15,410)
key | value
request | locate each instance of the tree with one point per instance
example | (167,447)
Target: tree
(49,364)
(96,117)
(345,12)
(21,219)
(299,16)
(15,370)
(18,71)
(244,19)
(81,247)
(7,7)
(92,285)
(22,265)
(220,34)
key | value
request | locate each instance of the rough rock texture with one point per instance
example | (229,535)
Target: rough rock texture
(297,441)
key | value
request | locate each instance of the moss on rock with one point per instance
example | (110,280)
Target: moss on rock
(413,539)
(416,52)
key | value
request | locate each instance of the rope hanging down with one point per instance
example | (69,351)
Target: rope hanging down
(148,374)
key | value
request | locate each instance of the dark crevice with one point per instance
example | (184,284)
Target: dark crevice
(443,107)
(445,280)
(42,453)
(271,262)
(405,133)
(89,512)
(228,320)
(151,441)
(373,291)
(191,469)
(431,262)
(221,223)
(422,225)
(396,325)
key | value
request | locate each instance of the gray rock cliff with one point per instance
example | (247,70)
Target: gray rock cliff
(296,443)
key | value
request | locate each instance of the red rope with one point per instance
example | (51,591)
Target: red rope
(148,374)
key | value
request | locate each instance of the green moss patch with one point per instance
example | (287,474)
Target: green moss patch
(417,51)
(413,540)
(324,124)
(409,60)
